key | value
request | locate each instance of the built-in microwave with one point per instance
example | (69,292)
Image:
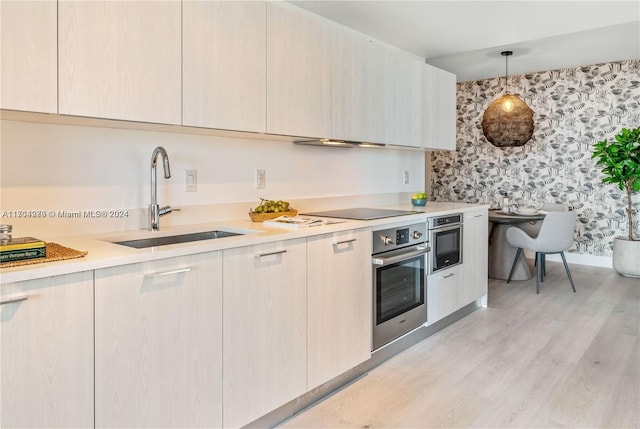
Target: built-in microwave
(445,239)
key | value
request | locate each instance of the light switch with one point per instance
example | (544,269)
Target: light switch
(261,178)
(191,181)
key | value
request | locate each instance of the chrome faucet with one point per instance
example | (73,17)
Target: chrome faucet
(155,211)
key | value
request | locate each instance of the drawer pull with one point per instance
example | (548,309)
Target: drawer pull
(446,276)
(167,273)
(277,252)
(16,298)
(338,243)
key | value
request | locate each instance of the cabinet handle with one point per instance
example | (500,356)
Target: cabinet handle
(16,298)
(338,243)
(167,273)
(478,215)
(446,276)
(277,252)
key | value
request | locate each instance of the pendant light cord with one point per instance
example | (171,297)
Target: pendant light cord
(506,54)
(506,74)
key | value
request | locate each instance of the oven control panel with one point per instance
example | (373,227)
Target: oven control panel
(398,237)
(437,222)
(402,236)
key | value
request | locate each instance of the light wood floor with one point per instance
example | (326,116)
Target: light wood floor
(555,360)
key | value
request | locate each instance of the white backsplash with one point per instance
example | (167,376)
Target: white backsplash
(56,168)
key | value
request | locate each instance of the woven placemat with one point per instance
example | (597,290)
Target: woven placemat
(55,252)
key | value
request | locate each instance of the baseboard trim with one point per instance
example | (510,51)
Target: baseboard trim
(583,259)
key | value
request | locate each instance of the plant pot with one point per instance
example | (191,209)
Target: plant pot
(626,257)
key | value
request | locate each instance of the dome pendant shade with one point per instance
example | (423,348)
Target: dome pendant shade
(508,128)
(508,121)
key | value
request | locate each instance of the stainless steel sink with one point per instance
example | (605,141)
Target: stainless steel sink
(175,239)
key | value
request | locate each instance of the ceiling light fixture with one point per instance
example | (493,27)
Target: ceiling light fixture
(508,121)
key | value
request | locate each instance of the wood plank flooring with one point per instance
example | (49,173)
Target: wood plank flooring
(554,360)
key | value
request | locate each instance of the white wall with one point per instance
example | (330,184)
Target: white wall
(54,167)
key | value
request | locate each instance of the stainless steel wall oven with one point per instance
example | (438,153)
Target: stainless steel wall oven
(399,281)
(445,238)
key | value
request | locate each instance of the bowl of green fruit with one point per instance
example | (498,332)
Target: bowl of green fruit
(419,199)
(270,209)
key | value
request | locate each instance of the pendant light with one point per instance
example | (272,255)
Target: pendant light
(508,121)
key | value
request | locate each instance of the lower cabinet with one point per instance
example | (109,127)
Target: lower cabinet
(46,340)
(265,328)
(158,342)
(339,304)
(443,289)
(475,242)
(451,289)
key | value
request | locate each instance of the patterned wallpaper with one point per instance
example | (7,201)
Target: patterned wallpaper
(574,108)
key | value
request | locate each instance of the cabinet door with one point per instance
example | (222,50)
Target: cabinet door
(29,74)
(46,338)
(158,358)
(439,109)
(339,304)
(407,100)
(442,293)
(224,64)
(362,89)
(264,329)
(298,73)
(120,59)
(474,275)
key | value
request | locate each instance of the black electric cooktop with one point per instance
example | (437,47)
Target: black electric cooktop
(361,213)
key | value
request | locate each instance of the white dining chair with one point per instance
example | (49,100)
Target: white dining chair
(556,236)
(550,207)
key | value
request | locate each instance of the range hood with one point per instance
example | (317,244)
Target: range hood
(337,143)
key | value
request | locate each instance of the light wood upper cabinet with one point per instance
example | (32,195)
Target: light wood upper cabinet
(224,64)
(46,339)
(29,70)
(439,109)
(298,72)
(408,93)
(339,304)
(474,274)
(265,67)
(120,60)
(158,340)
(362,88)
(265,328)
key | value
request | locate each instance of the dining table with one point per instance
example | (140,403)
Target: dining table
(501,253)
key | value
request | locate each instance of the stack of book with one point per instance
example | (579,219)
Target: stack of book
(17,249)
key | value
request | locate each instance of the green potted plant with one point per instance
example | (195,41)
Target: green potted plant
(620,162)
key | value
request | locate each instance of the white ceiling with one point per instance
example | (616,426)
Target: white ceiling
(466,37)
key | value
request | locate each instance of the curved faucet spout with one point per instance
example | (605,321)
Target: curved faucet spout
(165,161)
(154,210)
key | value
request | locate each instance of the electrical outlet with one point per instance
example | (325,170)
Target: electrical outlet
(405,177)
(261,179)
(191,180)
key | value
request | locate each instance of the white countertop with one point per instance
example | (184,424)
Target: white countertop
(104,253)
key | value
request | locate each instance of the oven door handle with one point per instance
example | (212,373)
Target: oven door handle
(420,250)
